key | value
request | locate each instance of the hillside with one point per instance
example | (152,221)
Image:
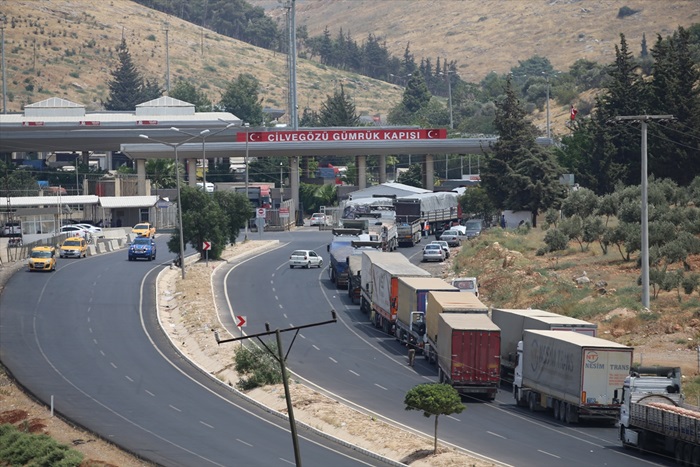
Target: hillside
(66,48)
(492,35)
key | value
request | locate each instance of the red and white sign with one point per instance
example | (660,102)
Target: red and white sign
(147,122)
(206,246)
(260,213)
(90,123)
(32,123)
(341,135)
(241,321)
(284,212)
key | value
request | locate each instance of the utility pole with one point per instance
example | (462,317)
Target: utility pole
(645,202)
(167,59)
(281,358)
(4,74)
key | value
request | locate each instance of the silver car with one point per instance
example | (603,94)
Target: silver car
(453,237)
(433,252)
(444,245)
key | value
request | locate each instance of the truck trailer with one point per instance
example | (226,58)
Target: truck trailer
(432,210)
(446,302)
(468,346)
(412,303)
(574,375)
(380,287)
(655,418)
(513,322)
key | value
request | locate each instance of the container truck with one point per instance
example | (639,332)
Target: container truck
(468,346)
(440,302)
(354,279)
(409,232)
(412,303)
(379,229)
(380,273)
(574,375)
(654,416)
(513,322)
(339,250)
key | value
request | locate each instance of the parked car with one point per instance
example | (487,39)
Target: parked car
(433,252)
(75,231)
(305,259)
(11,229)
(142,247)
(42,258)
(318,219)
(73,247)
(444,245)
(474,227)
(453,237)
(145,229)
(94,231)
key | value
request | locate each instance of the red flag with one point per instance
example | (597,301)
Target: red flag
(573,112)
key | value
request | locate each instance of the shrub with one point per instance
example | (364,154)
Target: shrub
(259,365)
(556,240)
(151,37)
(626,11)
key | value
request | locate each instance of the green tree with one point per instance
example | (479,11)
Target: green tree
(416,95)
(241,99)
(162,173)
(185,91)
(412,177)
(259,365)
(476,203)
(338,110)
(434,400)
(126,85)
(237,209)
(519,174)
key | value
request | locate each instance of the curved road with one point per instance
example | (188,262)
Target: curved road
(87,336)
(367,369)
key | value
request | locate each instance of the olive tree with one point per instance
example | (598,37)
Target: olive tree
(434,399)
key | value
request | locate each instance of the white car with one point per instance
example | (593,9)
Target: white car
(444,245)
(94,231)
(318,219)
(433,252)
(453,237)
(305,259)
(75,231)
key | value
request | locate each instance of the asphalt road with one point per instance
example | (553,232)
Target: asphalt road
(360,365)
(87,337)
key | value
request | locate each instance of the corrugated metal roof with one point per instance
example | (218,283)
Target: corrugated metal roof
(30,201)
(54,102)
(112,202)
(165,101)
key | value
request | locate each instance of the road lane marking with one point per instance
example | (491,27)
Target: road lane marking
(333,360)
(206,425)
(315,347)
(380,387)
(496,434)
(127,377)
(113,365)
(354,373)
(243,442)
(454,418)
(174,408)
(149,393)
(548,453)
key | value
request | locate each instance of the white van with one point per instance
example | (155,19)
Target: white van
(210,186)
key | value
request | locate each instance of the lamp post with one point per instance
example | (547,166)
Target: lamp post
(449,94)
(247,134)
(179,198)
(548,130)
(281,185)
(204,134)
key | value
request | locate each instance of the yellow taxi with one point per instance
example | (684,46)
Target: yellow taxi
(144,229)
(73,247)
(42,258)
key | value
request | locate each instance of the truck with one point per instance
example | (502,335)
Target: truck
(354,278)
(412,304)
(440,302)
(380,274)
(339,250)
(655,418)
(379,229)
(409,232)
(574,375)
(468,347)
(513,322)
(466,284)
(432,210)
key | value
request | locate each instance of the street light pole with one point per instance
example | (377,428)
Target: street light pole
(204,134)
(179,197)
(449,92)
(247,134)
(549,135)
(281,185)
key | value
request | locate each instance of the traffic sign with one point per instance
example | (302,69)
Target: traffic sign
(284,212)
(206,246)
(260,213)
(241,321)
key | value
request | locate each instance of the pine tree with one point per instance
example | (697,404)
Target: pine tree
(185,91)
(416,95)
(126,86)
(338,110)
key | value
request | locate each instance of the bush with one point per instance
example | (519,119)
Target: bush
(20,448)
(259,365)
(556,240)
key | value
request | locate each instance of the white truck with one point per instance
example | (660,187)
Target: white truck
(654,417)
(574,375)
(412,304)
(440,302)
(466,284)
(379,277)
(513,322)
(378,229)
